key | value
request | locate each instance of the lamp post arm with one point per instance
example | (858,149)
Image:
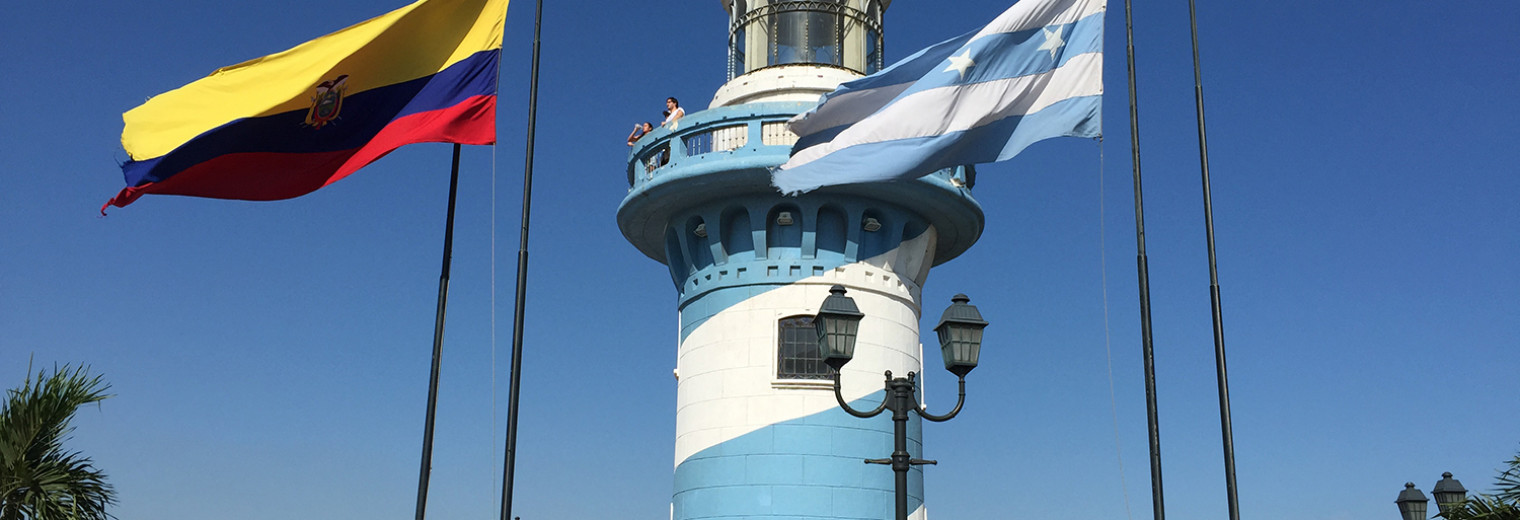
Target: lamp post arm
(959,401)
(839,396)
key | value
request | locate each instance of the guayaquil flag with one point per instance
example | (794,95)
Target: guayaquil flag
(284,125)
(1034,73)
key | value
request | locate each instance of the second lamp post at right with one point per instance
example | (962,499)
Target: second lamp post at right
(960,339)
(1449,495)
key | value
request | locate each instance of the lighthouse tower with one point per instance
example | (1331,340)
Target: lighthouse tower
(758,431)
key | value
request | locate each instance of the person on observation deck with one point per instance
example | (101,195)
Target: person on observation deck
(639,131)
(673,112)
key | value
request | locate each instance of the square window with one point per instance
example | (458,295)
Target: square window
(797,350)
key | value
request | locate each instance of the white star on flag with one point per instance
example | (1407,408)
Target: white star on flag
(1053,41)
(961,63)
(912,119)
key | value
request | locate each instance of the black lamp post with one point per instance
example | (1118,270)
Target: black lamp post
(1412,503)
(1449,495)
(960,336)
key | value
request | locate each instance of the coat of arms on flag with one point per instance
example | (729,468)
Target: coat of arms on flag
(327,102)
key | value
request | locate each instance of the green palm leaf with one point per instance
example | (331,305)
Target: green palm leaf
(39,479)
(1503,505)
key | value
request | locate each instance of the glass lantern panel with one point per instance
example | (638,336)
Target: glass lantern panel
(975,339)
(823,38)
(789,42)
(1446,500)
(1413,510)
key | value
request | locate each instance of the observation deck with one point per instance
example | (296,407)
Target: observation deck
(725,155)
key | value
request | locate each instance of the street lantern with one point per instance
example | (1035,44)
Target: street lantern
(960,335)
(1412,503)
(1449,493)
(837,323)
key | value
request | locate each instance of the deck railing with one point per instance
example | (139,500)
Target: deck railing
(717,134)
(713,135)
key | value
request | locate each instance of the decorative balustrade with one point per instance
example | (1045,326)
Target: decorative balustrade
(710,135)
(755,130)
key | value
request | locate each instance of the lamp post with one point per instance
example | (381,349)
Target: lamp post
(960,336)
(1449,494)
(1412,503)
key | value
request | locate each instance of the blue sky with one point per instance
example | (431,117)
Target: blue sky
(270,360)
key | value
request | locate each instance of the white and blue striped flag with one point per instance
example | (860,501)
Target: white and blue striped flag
(1034,73)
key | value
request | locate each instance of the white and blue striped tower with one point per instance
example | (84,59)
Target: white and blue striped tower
(758,432)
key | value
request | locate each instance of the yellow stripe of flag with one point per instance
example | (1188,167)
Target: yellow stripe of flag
(418,40)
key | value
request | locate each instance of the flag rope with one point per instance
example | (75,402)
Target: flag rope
(1108,349)
(494,479)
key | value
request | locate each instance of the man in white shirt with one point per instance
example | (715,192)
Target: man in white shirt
(673,112)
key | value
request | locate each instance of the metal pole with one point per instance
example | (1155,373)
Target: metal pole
(901,397)
(900,400)
(443,300)
(1158,505)
(510,462)
(1208,217)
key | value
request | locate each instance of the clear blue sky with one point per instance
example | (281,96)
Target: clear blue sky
(270,360)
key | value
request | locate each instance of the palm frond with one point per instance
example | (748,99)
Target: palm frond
(1503,505)
(39,479)
(1508,482)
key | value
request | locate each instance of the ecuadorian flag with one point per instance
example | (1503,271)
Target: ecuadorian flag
(284,125)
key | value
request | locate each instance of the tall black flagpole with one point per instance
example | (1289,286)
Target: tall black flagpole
(510,456)
(1158,506)
(1208,218)
(443,300)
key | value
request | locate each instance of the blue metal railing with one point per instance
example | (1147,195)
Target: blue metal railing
(709,135)
(720,133)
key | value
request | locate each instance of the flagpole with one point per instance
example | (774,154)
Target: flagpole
(510,462)
(443,300)
(1147,346)
(1208,217)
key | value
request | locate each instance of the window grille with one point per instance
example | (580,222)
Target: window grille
(797,350)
